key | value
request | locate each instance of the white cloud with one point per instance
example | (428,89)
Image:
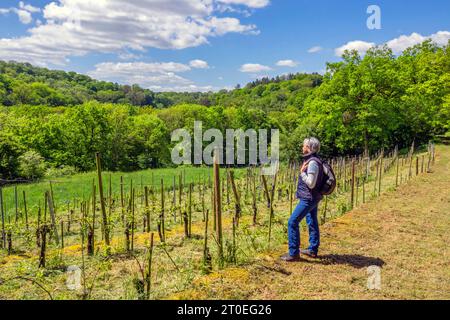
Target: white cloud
(154,67)
(315,49)
(248,3)
(28,7)
(199,64)
(441,37)
(287,63)
(254,68)
(188,88)
(399,44)
(360,46)
(78,27)
(157,76)
(23,12)
(223,8)
(129,56)
(403,42)
(24,16)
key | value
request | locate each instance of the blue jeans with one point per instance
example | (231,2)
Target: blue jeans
(308,209)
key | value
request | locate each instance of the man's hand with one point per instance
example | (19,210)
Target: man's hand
(304,167)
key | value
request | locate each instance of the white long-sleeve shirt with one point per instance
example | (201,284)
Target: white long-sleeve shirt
(312,173)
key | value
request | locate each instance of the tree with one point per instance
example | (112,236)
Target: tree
(32,165)
(10,150)
(147,133)
(23,94)
(86,132)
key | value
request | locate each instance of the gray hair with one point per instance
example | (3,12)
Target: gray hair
(313,144)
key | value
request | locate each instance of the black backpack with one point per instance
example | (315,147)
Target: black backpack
(328,180)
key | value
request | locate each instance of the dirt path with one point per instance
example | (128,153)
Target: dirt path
(406,232)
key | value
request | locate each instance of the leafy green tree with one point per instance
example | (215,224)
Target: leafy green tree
(23,94)
(87,132)
(109,96)
(10,150)
(146,136)
(32,165)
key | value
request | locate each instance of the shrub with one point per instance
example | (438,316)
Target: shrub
(61,171)
(32,165)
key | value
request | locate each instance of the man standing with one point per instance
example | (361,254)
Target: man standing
(309,183)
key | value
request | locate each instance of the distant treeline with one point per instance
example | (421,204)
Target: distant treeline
(268,94)
(24,84)
(361,104)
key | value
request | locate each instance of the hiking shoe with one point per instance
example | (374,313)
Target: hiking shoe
(288,258)
(309,253)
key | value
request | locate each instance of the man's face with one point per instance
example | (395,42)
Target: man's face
(305,149)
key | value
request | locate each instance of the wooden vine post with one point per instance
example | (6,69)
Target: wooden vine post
(62,234)
(148,275)
(109,197)
(16,203)
(324,217)
(213,207)
(422,166)
(147,209)
(51,208)
(43,230)
(411,152)
(270,197)
(345,174)
(161,225)
(352,197)
(9,240)
(291,196)
(417,166)
(191,187)
(228,186)
(396,174)
(237,197)
(3,219)
(174,199)
(364,190)
(91,229)
(433,154)
(25,209)
(180,193)
(218,206)
(381,172)
(102,200)
(207,265)
(203,200)
(254,204)
(132,217)
(122,202)
(128,224)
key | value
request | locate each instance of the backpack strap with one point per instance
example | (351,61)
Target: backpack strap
(316,159)
(320,173)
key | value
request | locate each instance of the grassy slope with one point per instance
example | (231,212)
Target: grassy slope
(406,231)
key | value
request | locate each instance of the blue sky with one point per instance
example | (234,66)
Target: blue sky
(199,45)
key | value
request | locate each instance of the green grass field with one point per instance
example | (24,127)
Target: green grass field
(79,186)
